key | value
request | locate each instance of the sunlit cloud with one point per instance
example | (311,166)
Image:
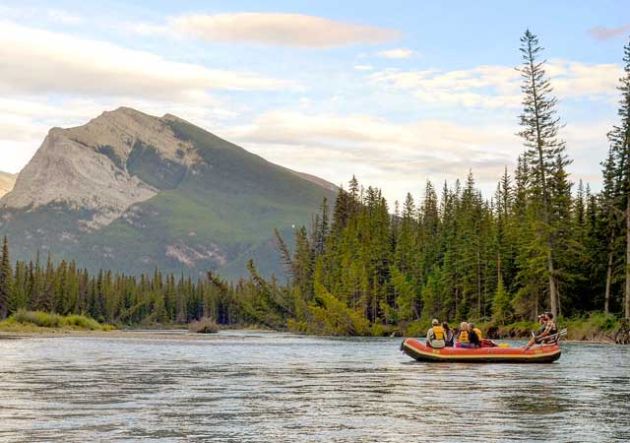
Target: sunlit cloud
(495,86)
(400,157)
(38,61)
(298,30)
(397,53)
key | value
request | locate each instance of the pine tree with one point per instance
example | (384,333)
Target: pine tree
(501,304)
(544,151)
(620,145)
(6,277)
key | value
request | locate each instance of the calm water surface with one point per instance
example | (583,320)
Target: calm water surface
(268,387)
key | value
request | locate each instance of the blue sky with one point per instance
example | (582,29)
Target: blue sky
(396,93)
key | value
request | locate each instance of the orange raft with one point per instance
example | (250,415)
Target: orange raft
(538,354)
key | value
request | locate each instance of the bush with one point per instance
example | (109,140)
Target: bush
(417,328)
(204,326)
(49,320)
(592,327)
(81,322)
(38,318)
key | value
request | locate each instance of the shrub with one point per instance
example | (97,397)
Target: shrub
(204,326)
(49,320)
(38,318)
(417,328)
(82,322)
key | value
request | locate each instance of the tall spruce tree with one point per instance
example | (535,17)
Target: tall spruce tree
(5,279)
(620,146)
(544,153)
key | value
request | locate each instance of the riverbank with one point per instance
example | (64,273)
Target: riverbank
(596,328)
(35,322)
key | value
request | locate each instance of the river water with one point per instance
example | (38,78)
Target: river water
(241,386)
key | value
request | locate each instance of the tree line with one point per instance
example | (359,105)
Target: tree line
(64,288)
(541,242)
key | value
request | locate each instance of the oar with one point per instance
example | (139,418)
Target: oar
(557,336)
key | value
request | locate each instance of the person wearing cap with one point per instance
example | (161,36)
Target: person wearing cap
(542,319)
(546,331)
(436,338)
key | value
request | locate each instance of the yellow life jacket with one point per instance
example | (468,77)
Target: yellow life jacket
(438,332)
(463,337)
(478,332)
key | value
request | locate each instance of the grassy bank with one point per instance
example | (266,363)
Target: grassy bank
(37,321)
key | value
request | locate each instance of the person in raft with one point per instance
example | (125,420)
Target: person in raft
(436,338)
(467,337)
(476,330)
(449,334)
(545,333)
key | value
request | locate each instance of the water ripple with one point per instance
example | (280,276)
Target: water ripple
(253,387)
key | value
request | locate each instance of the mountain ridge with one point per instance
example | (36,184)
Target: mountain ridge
(133,191)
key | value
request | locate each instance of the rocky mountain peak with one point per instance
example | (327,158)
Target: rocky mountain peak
(129,191)
(97,166)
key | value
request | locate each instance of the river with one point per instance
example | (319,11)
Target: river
(242,386)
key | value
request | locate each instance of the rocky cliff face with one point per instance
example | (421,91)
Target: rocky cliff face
(129,192)
(6,182)
(91,166)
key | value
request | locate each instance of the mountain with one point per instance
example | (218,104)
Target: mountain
(6,182)
(128,191)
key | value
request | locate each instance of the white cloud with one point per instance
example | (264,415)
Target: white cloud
(593,81)
(396,53)
(37,61)
(363,67)
(495,86)
(395,156)
(284,29)
(399,157)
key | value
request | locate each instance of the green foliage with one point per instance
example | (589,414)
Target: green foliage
(331,316)
(501,305)
(417,328)
(51,320)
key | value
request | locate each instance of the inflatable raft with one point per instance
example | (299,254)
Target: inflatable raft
(537,354)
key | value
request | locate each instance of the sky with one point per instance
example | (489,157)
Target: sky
(396,93)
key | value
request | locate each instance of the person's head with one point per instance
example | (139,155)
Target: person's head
(471,326)
(463,326)
(435,322)
(445,326)
(542,318)
(549,315)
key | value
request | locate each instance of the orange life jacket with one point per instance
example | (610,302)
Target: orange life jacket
(478,332)
(438,332)
(463,337)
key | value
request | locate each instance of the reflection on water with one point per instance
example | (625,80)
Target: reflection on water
(246,387)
